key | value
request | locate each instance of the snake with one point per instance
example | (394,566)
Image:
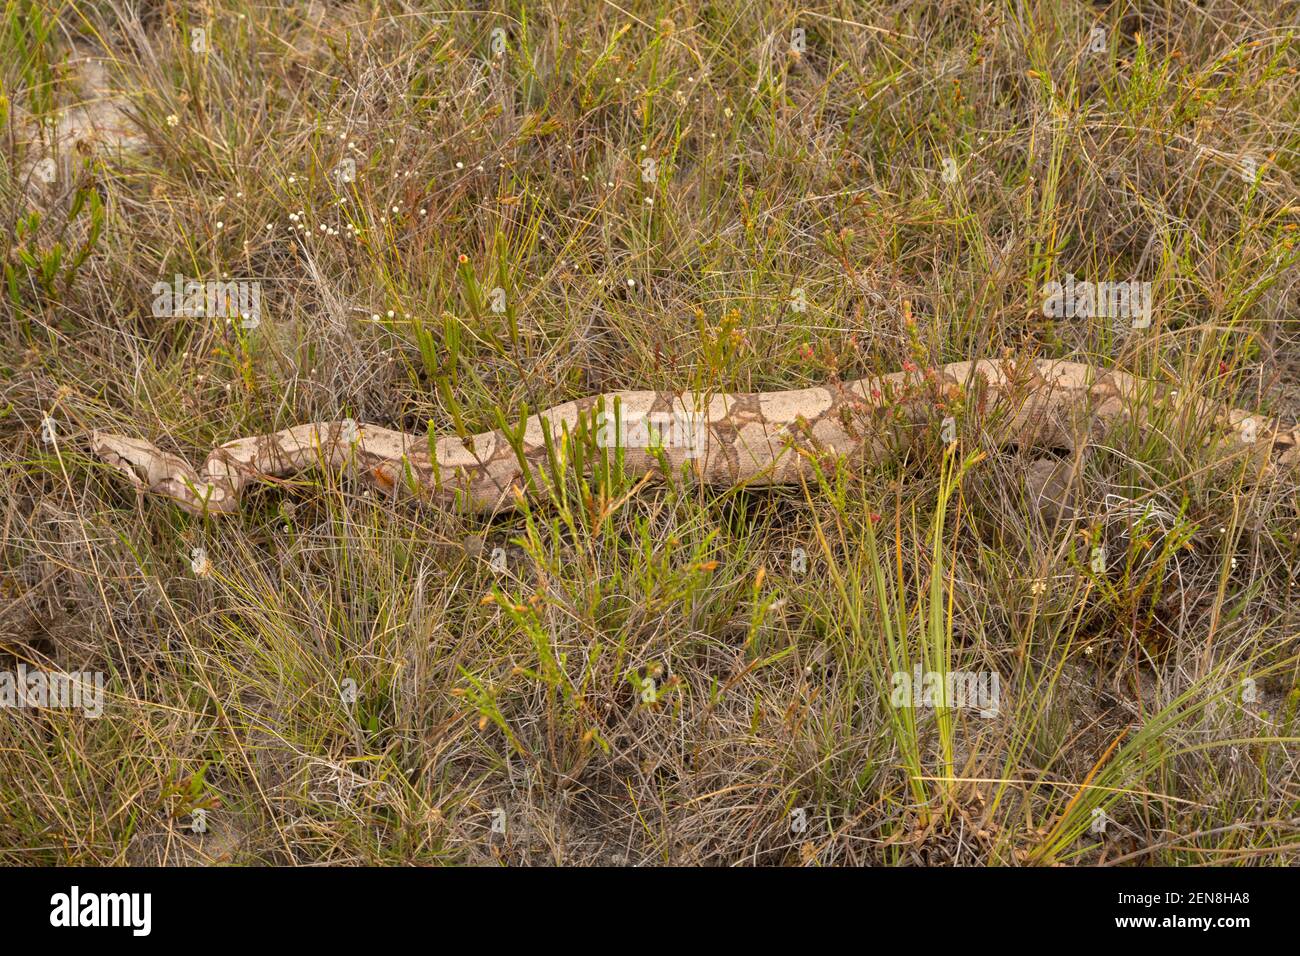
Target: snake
(724,439)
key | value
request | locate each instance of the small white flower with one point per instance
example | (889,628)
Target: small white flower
(173,119)
(199,562)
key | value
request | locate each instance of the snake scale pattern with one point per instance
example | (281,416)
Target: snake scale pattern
(741,439)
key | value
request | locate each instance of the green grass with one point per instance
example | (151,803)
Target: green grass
(653,674)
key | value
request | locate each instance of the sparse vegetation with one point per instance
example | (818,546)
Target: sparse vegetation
(671,196)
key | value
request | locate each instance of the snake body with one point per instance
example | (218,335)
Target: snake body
(725,440)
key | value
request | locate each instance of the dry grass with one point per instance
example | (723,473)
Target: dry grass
(1124,691)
